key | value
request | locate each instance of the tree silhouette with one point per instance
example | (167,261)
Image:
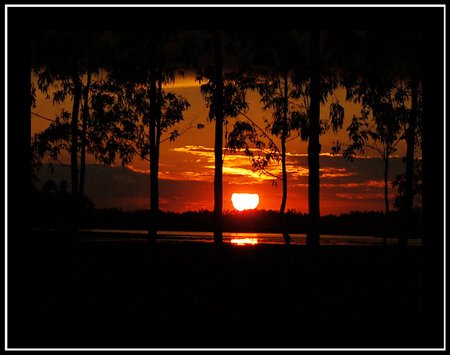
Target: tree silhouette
(272,55)
(85,117)
(379,82)
(385,104)
(313,235)
(141,110)
(60,74)
(224,93)
(283,81)
(218,137)
(401,200)
(54,65)
(411,61)
(315,84)
(380,125)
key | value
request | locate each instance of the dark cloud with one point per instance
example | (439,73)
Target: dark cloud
(346,186)
(337,170)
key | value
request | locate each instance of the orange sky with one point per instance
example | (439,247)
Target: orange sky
(189,161)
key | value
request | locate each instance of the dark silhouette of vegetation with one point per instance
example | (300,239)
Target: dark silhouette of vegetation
(384,105)
(60,72)
(257,221)
(120,110)
(282,79)
(218,138)
(400,185)
(275,95)
(115,110)
(383,90)
(314,144)
(224,93)
(52,206)
(408,187)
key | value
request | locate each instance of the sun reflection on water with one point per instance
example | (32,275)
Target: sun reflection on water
(244,241)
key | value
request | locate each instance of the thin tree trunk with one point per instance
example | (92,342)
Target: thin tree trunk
(74,133)
(74,214)
(286,236)
(410,144)
(155,138)
(386,197)
(386,186)
(158,139)
(313,236)
(218,159)
(153,158)
(83,133)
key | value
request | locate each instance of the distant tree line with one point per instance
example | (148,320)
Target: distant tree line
(51,214)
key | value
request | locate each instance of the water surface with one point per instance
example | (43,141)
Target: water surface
(240,238)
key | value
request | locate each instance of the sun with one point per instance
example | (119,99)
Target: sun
(243,202)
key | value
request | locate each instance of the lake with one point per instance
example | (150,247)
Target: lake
(237,238)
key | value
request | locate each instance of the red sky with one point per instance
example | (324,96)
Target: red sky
(187,167)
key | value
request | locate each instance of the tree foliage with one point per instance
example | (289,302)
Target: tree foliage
(381,124)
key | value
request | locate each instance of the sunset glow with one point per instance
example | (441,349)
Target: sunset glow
(244,241)
(243,202)
(187,164)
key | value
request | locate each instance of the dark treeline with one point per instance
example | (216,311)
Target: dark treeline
(256,221)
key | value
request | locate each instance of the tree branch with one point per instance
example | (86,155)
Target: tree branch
(378,150)
(263,171)
(45,118)
(188,127)
(263,132)
(61,163)
(292,138)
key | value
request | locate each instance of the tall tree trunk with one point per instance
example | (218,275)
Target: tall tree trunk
(285,233)
(218,158)
(386,197)
(152,231)
(74,214)
(74,133)
(386,186)
(83,133)
(313,236)
(155,137)
(155,179)
(410,144)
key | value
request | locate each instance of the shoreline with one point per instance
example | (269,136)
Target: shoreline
(230,238)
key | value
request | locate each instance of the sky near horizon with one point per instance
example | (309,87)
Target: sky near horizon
(187,166)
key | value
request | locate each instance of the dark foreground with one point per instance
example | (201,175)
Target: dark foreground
(199,295)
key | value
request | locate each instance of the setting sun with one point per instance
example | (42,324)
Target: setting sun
(243,202)
(244,241)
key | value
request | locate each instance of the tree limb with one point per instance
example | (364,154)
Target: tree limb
(263,132)
(45,118)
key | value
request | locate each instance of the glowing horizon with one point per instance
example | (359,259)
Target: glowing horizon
(244,241)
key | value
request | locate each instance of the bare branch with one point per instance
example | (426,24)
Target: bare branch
(188,127)
(292,138)
(44,118)
(263,171)
(262,131)
(378,150)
